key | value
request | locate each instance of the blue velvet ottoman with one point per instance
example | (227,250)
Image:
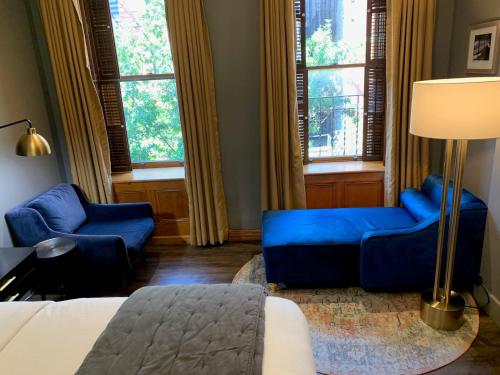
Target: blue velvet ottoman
(380,249)
(321,247)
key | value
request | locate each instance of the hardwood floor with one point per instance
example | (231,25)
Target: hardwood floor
(165,265)
(484,355)
(189,265)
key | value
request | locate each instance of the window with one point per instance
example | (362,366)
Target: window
(134,74)
(341,78)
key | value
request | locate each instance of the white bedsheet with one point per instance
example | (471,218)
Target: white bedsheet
(54,338)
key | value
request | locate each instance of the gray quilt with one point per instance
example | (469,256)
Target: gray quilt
(199,329)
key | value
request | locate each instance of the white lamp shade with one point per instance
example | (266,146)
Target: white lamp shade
(464,108)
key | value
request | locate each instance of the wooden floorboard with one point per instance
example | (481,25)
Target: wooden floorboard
(191,265)
(164,265)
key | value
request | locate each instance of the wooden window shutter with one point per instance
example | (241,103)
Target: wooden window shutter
(301,77)
(375,82)
(106,74)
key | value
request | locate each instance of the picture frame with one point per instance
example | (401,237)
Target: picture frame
(483,48)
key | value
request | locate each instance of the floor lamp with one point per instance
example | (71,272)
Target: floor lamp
(456,110)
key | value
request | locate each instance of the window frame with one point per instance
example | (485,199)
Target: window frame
(303,89)
(99,35)
(158,163)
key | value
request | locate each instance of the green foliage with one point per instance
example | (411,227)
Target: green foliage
(151,107)
(322,49)
(153,123)
(325,89)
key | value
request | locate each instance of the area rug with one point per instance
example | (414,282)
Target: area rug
(356,332)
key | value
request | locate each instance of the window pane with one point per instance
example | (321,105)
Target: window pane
(152,118)
(336,112)
(141,37)
(335,32)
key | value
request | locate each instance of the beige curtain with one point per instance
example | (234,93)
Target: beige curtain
(282,175)
(196,91)
(410,33)
(81,113)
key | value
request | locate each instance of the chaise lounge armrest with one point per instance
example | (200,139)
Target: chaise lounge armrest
(386,254)
(406,257)
(122,211)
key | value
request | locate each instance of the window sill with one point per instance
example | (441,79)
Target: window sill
(150,174)
(342,167)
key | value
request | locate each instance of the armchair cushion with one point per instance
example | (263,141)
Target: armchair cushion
(121,211)
(418,204)
(135,232)
(61,209)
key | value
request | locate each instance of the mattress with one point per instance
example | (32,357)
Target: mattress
(54,338)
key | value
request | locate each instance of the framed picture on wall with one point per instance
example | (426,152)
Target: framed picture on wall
(484,45)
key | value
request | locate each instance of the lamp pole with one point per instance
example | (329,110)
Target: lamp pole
(443,308)
(442,221)
(454,217)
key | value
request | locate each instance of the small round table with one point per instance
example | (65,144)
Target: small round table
(56,258)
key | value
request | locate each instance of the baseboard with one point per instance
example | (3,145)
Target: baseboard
(169,240)
(493,309)
(244,235)
(235,235)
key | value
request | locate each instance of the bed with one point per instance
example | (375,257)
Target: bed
(55,337)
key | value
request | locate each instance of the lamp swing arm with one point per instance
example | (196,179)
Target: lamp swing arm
(17,122)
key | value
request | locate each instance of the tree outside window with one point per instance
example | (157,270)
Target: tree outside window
(147,80)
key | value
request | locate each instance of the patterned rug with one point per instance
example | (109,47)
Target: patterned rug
(355,332)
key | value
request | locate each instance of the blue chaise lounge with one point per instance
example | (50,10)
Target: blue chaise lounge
(380,249)
(110,237)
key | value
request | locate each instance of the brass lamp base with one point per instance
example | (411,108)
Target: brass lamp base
(438,315)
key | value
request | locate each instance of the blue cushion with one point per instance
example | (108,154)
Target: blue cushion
(329,226)
(433,188)
(135,232)
(418,204)
(61,208)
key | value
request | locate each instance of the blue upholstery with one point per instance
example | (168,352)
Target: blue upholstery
(418,204)
(377,248)
(60,208)
(328,227)
(134,232)
(110,237)
(432,188)
(331,237)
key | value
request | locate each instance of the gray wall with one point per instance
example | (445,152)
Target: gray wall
(482,171)
(48,86)
(21,96)
(234,34)
(445,12)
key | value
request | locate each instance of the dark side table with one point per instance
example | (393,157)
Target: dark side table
(56,262)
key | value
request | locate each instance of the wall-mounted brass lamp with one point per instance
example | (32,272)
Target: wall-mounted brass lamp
(30,144)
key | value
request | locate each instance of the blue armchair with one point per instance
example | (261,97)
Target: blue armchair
(110,237)
(381,249)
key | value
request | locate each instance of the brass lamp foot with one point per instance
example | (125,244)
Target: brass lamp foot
(438,315)
(272,287)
